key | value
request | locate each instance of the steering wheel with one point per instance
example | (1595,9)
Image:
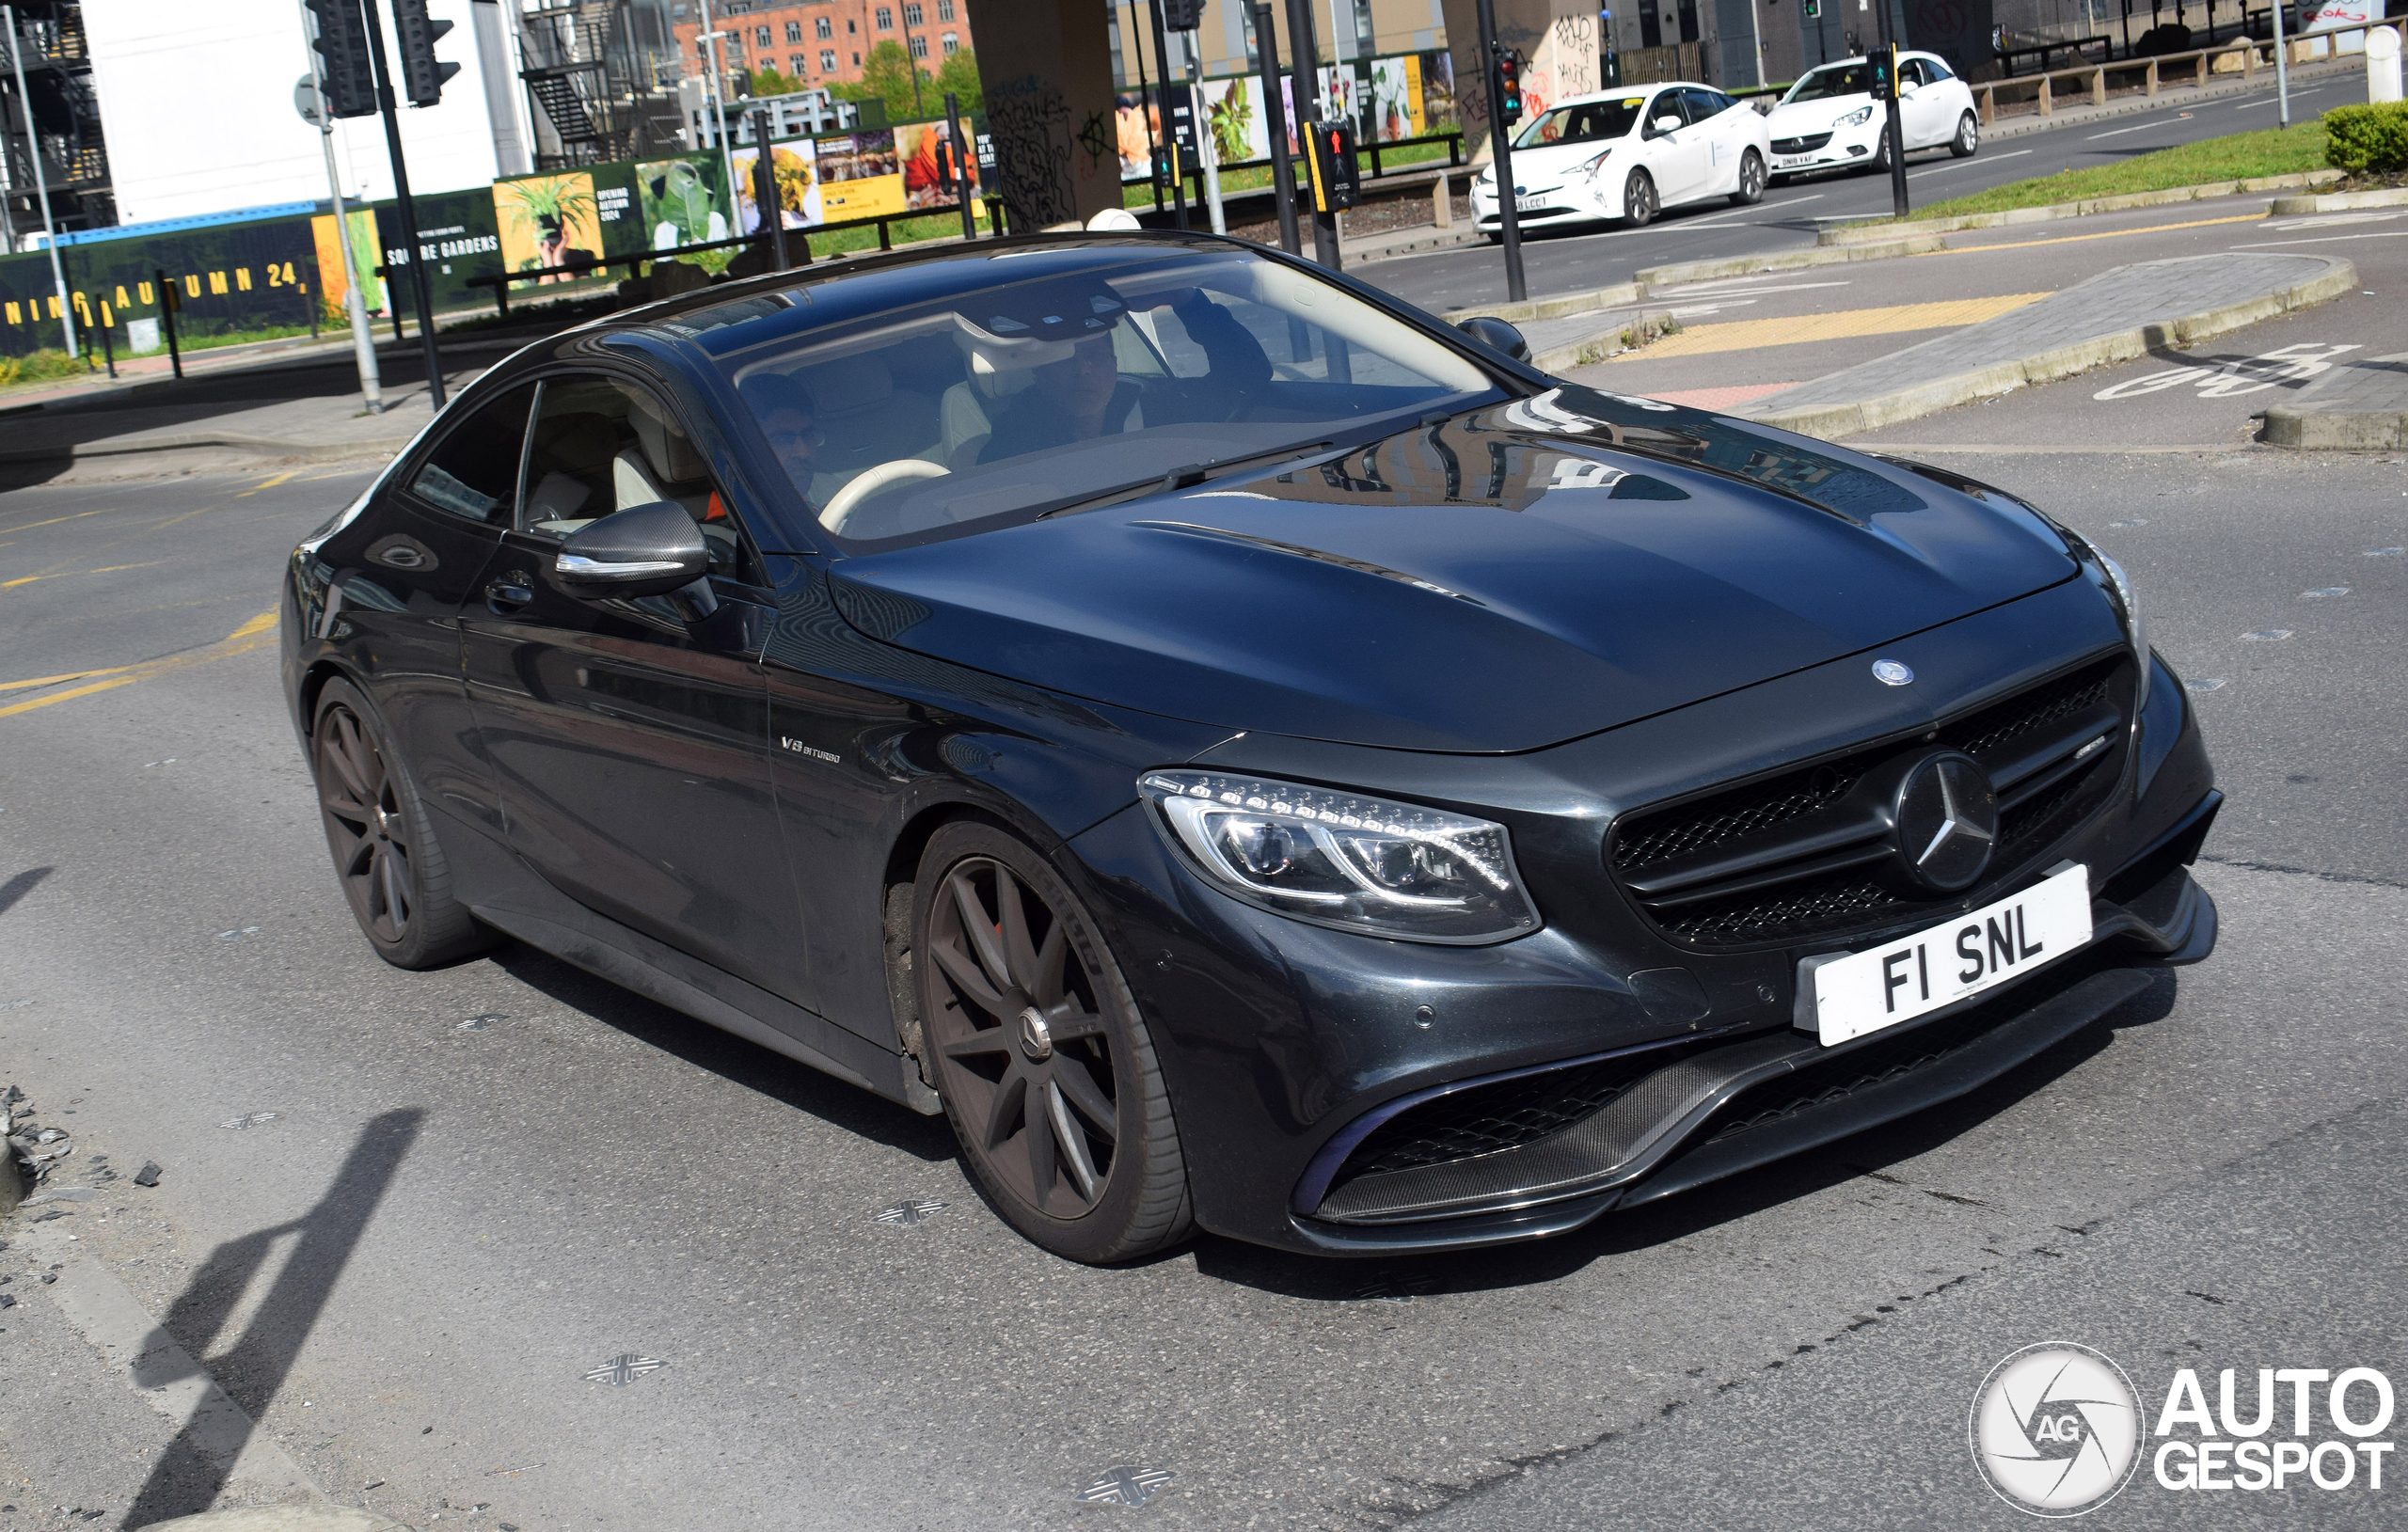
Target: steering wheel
(885,476)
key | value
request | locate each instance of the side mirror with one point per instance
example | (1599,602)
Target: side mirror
(1496,335)
(642,552)
(1669,123)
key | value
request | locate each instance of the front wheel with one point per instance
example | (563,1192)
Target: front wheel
(1968,137)
(1037,1047)
(1881,165)
(1639,204)
(1752,179)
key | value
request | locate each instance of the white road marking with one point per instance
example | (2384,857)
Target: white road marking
(1968,164)
(2328,238)
(2139,127)
(2249,106)
(1708,289)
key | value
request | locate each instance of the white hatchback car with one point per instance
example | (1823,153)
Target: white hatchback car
(1629,154)
(1829,119)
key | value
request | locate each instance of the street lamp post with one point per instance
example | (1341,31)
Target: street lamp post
(41,182)
(710,36)
(363,339)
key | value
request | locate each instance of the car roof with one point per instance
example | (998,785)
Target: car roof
(1625,92)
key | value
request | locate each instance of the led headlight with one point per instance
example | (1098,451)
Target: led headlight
(1856,119)
(1345,860)
(2119,585)
(1597,167)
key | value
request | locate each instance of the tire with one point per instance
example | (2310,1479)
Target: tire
(1751,180)
(1880,163)
(383,842)
(1968,137)
(1638,204)
(1038,1050)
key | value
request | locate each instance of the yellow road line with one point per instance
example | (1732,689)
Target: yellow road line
(111,569)
(2111,234)
(269,483)
(251,634)
(1750,334)
(59,680)
(55,520)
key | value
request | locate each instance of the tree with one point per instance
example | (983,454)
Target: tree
(961,76)
(769,82)
(886,75)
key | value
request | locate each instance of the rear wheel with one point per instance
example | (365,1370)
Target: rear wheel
(1639,204)
(383,843)
(1968,137)
(1035,1045)
(1752,179)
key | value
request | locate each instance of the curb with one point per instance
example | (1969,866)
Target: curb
(2336,431)
(2339,201)
(1846,234)
(378,449)
(1707,271)
(1372,251)
(1555,307)
(1833,422)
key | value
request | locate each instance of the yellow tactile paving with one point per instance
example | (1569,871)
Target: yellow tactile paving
(1748,334)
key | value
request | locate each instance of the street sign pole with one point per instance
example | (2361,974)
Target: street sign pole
(765,190)
(1897,127)
(2282,74)
(1168,155)
(1304,60)
(363,339)
(1509,219)
(1283,170)
(41,182)
(1206,151)
(959,147)
(419,288)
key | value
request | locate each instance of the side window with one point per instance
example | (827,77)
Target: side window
(473,471)
(599,446)
(1700,105)
(1933,70)
(1666,103)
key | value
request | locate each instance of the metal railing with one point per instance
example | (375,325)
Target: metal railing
(2152,71)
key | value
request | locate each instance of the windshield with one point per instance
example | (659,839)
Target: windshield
(989,407)
(1582,122)
(1831,80)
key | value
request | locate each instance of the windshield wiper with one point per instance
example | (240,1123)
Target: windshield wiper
(1186,476)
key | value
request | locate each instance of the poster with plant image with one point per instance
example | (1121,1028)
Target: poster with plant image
(684,201)
(794,164)
(549,221)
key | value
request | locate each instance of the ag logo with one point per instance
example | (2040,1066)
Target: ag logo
(2056,1430)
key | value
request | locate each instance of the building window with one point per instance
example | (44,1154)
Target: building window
(796,64)
(857,60)
(761,36)
(885,18)
(911,14)
(823,30)
(793,31)
(826,60)
(919,46)
(944,13)
(849,27)
(952,44)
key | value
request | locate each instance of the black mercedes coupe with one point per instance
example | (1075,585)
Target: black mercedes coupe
(1254,757)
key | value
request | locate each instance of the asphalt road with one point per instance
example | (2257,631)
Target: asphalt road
(406,1272)
(1570,260)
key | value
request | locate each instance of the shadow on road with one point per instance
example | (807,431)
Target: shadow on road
(254,1368)
(21,885)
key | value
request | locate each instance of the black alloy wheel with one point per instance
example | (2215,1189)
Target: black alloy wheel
(1035,1045)
(1639,204)
(1752,179)
(384,849)
(1968,137)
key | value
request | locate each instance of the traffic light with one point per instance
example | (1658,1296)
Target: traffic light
(1884,64)
(1509,87)
(1813,10)
(413,37)
(1336,180)
(1182,15)
(343,43)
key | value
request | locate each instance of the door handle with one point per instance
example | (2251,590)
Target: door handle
(508,595)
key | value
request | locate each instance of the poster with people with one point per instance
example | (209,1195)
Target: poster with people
(861,176)
(549,222)
(1137,127)
(794,164)
(927,169)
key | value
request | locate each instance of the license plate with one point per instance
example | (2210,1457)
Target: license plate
(1788,159)
(1529,204)
(1853,993)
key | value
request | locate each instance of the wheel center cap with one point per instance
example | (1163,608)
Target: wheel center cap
(1036,1037)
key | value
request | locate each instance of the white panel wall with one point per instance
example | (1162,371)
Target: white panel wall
(197,100)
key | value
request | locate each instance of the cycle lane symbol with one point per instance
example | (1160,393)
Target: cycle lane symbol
(2226,380)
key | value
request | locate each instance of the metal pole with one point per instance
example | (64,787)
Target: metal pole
(419,284)
(1304,60)
(1898,125)
(1283,170)
(363,339)
(2281,74)
(41,181)
(1205,149)
(912,63)
(169,303)
(1145,94)
(1508,214)
(765,190)
(1169,151)
(959,149)
(108,341)
(719,104)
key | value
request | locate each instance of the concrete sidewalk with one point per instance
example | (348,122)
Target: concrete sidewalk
(2358,406)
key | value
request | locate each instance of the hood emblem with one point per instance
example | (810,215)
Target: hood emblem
(1891,673)
(1946,819)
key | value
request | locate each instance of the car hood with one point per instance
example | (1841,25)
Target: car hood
(1508,578)
(1801,117)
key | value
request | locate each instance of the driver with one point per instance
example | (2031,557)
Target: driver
(1083,395)
(785,410)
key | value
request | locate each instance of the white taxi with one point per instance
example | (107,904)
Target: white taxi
(1628,154)
(1829,121)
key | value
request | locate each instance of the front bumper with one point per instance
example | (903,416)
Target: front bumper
(1843,147)
(1573,201)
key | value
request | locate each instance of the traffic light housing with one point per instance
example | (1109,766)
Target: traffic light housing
(1336,179)
(1509,87)
(413,38)
(1884,84)
(348,78)
(1813,10)
(1182,15)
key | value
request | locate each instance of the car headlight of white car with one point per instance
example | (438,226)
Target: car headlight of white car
(1856,119)
(1594,168)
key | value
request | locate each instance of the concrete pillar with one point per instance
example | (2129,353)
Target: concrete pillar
(1046,68)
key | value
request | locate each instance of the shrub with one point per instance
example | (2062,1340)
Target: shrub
(37,366)
(2368,140)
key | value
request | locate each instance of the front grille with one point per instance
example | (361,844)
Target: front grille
(1795,855)
(1502,1114)
(1807,145)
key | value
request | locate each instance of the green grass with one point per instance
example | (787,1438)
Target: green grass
(2271,152)
(39,366)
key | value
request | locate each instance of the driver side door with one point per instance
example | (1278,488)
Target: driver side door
(629,743)
(1924,112)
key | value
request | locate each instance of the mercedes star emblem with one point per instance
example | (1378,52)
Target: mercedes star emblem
(1890,673)
(1947,821)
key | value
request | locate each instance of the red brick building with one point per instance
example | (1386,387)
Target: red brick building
(818,42)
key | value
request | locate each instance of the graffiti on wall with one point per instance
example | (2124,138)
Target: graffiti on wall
(1030,125)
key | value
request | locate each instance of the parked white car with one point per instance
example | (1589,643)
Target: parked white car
(1629,154)
(1829,119)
